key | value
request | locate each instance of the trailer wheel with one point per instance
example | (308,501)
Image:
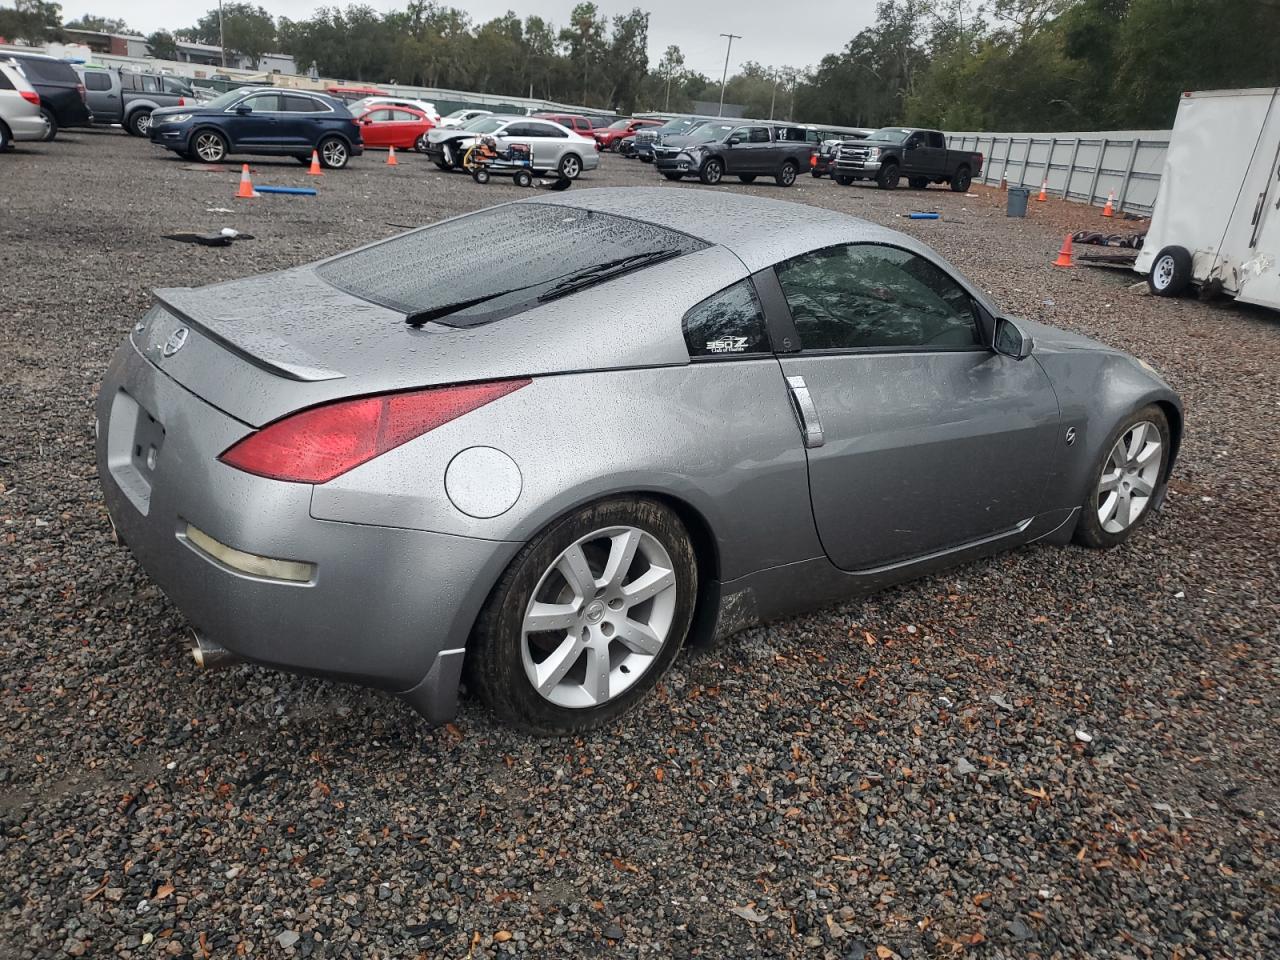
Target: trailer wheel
(523,178)
(1170,272)
(480,175)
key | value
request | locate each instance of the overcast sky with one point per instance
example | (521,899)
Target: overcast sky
(794,34)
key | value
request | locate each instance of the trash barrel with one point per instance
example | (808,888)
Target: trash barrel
(1018,197)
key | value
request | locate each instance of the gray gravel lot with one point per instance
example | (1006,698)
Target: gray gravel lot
(897,777)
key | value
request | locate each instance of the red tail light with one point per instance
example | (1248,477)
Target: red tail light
(80,89)
(813,159)
(318,444)
(182,101)
(31,97)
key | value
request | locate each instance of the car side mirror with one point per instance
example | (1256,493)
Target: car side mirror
(1010,341)
(244,109)
(733,141)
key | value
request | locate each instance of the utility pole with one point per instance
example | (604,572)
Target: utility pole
(667,106)
(773,97)
(222,43)
(724,77)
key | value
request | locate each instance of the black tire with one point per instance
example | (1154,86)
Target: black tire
(1089,531)
(494,664)
(570,166)
(442,165)
(480,175)
(844,181)
(421,144)
(218,146)
(5,136)
(918,183)
(334,153)
(787,175)
(139,123)
(816,174)
(961,179)
(887,178)
(523,178)
(1170,272)
(674,176)
(712,172)
(51,125)
(747,177)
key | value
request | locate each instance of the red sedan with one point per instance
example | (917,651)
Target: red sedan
(607,137)
(399,127)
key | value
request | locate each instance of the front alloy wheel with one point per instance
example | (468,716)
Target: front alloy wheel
(711,172)
(210,147)
(587,617)
(1130,480)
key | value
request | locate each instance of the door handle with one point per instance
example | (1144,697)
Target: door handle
(806,412)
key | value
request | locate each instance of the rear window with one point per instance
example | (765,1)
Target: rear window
(49,71)
(519,251)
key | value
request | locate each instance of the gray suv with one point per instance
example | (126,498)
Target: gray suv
(747,151)
(126,98)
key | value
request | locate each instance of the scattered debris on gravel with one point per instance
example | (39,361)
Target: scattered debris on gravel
(1054,753)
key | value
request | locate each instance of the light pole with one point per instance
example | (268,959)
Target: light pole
(724,77)
(222,42)
(774,95)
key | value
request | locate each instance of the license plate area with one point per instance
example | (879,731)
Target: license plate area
(134,441)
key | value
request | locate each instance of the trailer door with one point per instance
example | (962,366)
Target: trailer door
(1260,270)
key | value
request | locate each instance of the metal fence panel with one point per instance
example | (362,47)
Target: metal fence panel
(1086,167)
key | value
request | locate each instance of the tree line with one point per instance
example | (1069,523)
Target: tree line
(1035,65)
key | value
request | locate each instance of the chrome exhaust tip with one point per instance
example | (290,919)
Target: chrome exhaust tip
(209,655)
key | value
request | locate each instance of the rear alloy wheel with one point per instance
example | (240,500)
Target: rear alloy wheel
(50,125)
(961,180)
(1170,272)
(587,618)
(1130,480)
(747,177)
(787,175)
(570,166)
(209,146)
(711,173)
(140,123)
(333,153)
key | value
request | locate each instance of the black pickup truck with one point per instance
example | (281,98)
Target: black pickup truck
(895,152)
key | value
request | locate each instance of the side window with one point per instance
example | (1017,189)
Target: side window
(742,133)
(915,140)
(543,130)
(5,82)
(517,130)
(759,135)
(150,85)
(263,103)
(93,80)
(937,140)
(291,103)
(727,324)
(380,116)
(863,296)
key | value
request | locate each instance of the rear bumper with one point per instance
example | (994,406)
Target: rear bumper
(383,606)
(27,127)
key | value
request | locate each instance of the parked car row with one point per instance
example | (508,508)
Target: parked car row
(60,98)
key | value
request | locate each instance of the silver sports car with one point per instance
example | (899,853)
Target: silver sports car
(407,463)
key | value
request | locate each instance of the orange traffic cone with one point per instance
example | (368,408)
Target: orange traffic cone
(1064,255)
(1109,210)
(1044,187)
(315,170)
(246,185)
(391,157)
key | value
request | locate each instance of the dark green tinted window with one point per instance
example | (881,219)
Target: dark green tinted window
(727,324)
(863,296)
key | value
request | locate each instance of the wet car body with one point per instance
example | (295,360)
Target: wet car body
(378,574)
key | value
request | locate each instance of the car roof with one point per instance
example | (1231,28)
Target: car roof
(758,230)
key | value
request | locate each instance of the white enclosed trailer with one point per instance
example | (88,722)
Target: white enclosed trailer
(1216,219)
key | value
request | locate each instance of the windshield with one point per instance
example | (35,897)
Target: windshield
(619,125)
(516,254)
(710,131)
(225,100)
(891,135)
(483,124)
(676,126)
(457,114)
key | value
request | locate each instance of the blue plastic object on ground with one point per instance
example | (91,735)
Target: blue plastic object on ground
(925,216)
(298,191)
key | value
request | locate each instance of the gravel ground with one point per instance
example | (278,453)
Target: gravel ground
(1055,753)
